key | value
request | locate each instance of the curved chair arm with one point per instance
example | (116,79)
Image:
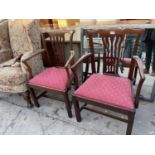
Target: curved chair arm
(33,54)
(69,62)
(136,63)
(80,60)
(76,64)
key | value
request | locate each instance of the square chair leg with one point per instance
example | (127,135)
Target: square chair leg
(77,109)
(130,123)
(26,96)
(68,105)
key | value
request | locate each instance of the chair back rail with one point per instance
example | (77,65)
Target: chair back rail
(113,46)
(57,44)
(57,39)
(45,55)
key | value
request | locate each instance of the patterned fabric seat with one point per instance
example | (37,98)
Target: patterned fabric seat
(108,90)
(52,78)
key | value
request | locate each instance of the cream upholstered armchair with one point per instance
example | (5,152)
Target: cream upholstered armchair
(19,41)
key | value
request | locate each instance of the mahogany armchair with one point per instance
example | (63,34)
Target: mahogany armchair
(55,79)
(106,90)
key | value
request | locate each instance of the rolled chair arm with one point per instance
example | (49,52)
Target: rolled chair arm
(29,57)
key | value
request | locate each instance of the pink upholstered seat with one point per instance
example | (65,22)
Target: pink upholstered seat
(126,61)
(108,90)
(52,78)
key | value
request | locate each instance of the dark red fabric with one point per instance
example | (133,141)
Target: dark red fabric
(53,77)
(107,89)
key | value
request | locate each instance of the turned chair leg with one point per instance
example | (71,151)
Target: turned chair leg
(26,96)
(130,123)
(77,110)
(34,97)
(68,105)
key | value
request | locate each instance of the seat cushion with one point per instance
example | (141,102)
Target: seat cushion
(11,76)
(52,78)
(108,90)
(126,61)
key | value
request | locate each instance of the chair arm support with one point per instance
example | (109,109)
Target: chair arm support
(137,63)
(76,64)
(80,60)
(70,59)
(140,66)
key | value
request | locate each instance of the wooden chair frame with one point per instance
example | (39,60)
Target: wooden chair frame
(129,113)
(26,95)
(135,63)
(69,62)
